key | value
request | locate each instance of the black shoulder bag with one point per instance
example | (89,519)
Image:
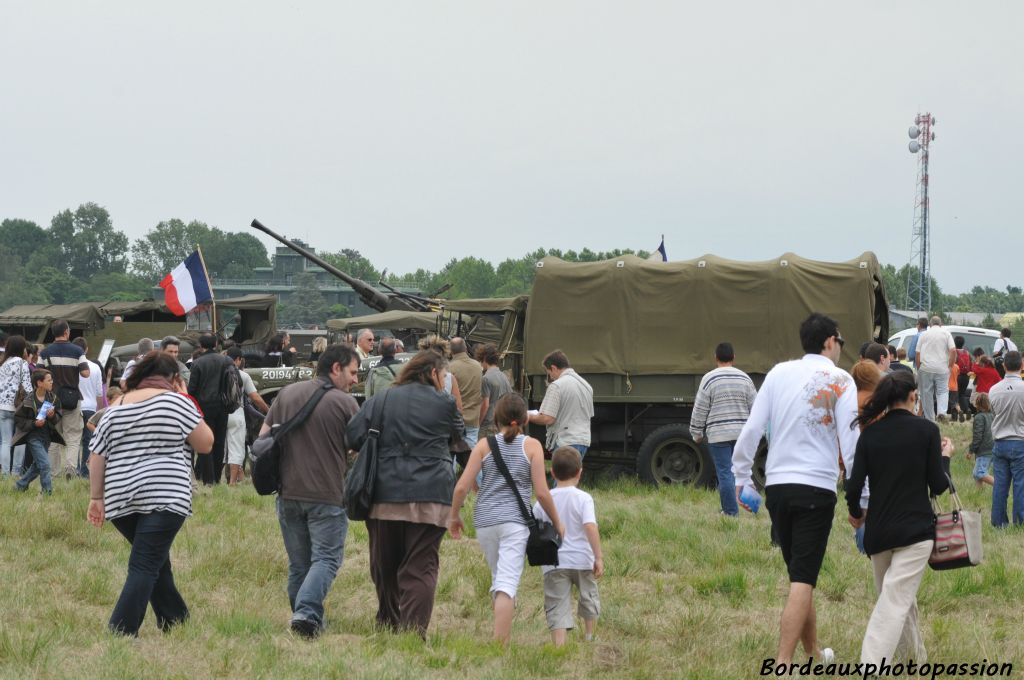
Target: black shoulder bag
(267,450)
(363,475)
(543,544)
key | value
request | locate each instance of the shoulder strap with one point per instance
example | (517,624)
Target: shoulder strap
(500,462)
(304,413)
(391,368)
(378,417)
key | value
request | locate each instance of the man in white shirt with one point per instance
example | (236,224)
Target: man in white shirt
(92,401)
(808,406)
(1004,344)
(936,354)
(568,405)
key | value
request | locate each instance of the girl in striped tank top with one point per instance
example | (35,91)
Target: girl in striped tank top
(500,526)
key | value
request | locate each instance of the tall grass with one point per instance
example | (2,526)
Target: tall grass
(687,594)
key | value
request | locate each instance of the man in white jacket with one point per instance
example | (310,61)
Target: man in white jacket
(807,405)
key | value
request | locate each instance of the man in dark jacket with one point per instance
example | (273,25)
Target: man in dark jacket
(310,507)
(204,384)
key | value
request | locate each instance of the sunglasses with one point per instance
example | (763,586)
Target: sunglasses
(842,343)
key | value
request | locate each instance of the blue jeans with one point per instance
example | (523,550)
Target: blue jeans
(581,448)
(471,436)
(150,580)
(6,435)
(1007,469)
(37,448)
(314,538)
(721,454)
(83,464)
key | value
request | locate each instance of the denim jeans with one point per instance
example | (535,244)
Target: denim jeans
(314,538)
(6,435)
(1007,469)
(581,448)
(150,580)
(471,436)
(721,454)
(83,464)
(40,467)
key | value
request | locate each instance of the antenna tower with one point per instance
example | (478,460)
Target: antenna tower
(919,282)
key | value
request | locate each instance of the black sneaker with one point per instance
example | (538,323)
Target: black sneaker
(305,628)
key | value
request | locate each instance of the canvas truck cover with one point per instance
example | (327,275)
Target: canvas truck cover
(393,320)
(630,316)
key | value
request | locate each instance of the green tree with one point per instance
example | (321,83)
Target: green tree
(306,304)
(227,255)
(354,264)
(61,287)
(85,243)
(22,238)
(470,277)
(116,286)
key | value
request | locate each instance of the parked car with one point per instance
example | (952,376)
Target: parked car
(973,337)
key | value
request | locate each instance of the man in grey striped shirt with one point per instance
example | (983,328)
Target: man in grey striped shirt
(722,407)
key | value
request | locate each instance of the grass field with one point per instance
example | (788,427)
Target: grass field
(687,594)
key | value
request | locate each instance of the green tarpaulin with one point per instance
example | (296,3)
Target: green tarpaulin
(636,317)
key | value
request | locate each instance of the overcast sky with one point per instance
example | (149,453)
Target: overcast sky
(420,131)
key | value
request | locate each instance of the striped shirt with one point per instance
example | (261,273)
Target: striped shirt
(144,444)
(496,503)
(723,404)
(66,361)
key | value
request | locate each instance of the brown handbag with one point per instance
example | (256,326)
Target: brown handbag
(957,536)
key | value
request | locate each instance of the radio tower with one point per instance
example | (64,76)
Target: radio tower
(919,283)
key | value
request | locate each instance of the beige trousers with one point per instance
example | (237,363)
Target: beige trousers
(893,627)
(65,458)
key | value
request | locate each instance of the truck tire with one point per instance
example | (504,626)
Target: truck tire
(757,473)
(670,456)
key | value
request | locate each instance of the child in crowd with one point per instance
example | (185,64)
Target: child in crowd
(953,407)
(981,442)
(901,356)
(113,394)
(580,562)
(498,516)
(36,424)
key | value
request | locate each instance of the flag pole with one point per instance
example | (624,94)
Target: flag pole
(213,300)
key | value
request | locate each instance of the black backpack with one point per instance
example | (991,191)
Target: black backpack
(231,388)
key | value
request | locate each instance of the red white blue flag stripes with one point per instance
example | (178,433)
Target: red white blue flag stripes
(186,286)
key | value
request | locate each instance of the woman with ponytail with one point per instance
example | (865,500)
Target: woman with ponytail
(904,458)
(500,526)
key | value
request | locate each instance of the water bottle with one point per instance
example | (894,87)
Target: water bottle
(751,497)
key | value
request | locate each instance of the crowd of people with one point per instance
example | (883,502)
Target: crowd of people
(876,425)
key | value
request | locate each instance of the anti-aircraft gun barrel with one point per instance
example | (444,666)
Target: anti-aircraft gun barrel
(373,298)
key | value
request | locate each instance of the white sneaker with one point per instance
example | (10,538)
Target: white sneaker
(827,656)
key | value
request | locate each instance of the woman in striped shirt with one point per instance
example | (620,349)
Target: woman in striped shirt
(500,526)
(139,480)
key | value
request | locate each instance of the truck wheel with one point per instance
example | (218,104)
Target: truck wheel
(670,456)
(758,474)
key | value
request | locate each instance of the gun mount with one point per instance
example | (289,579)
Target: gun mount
(373,298)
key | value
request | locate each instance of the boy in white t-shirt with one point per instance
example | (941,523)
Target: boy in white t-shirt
(579,559)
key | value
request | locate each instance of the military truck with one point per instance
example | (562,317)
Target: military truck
(33,321)
(643,333)
(249,320)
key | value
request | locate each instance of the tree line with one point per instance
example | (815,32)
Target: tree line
(82,257)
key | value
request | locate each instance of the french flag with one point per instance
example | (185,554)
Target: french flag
(186,286)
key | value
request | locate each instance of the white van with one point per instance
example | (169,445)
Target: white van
(973,337)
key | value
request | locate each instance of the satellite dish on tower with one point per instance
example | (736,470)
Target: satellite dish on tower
(914,147)
(914,132)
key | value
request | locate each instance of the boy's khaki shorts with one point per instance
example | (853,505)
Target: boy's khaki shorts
(558,585)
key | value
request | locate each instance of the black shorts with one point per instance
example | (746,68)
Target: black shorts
(802,519)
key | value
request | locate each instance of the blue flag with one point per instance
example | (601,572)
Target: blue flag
(659,254)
